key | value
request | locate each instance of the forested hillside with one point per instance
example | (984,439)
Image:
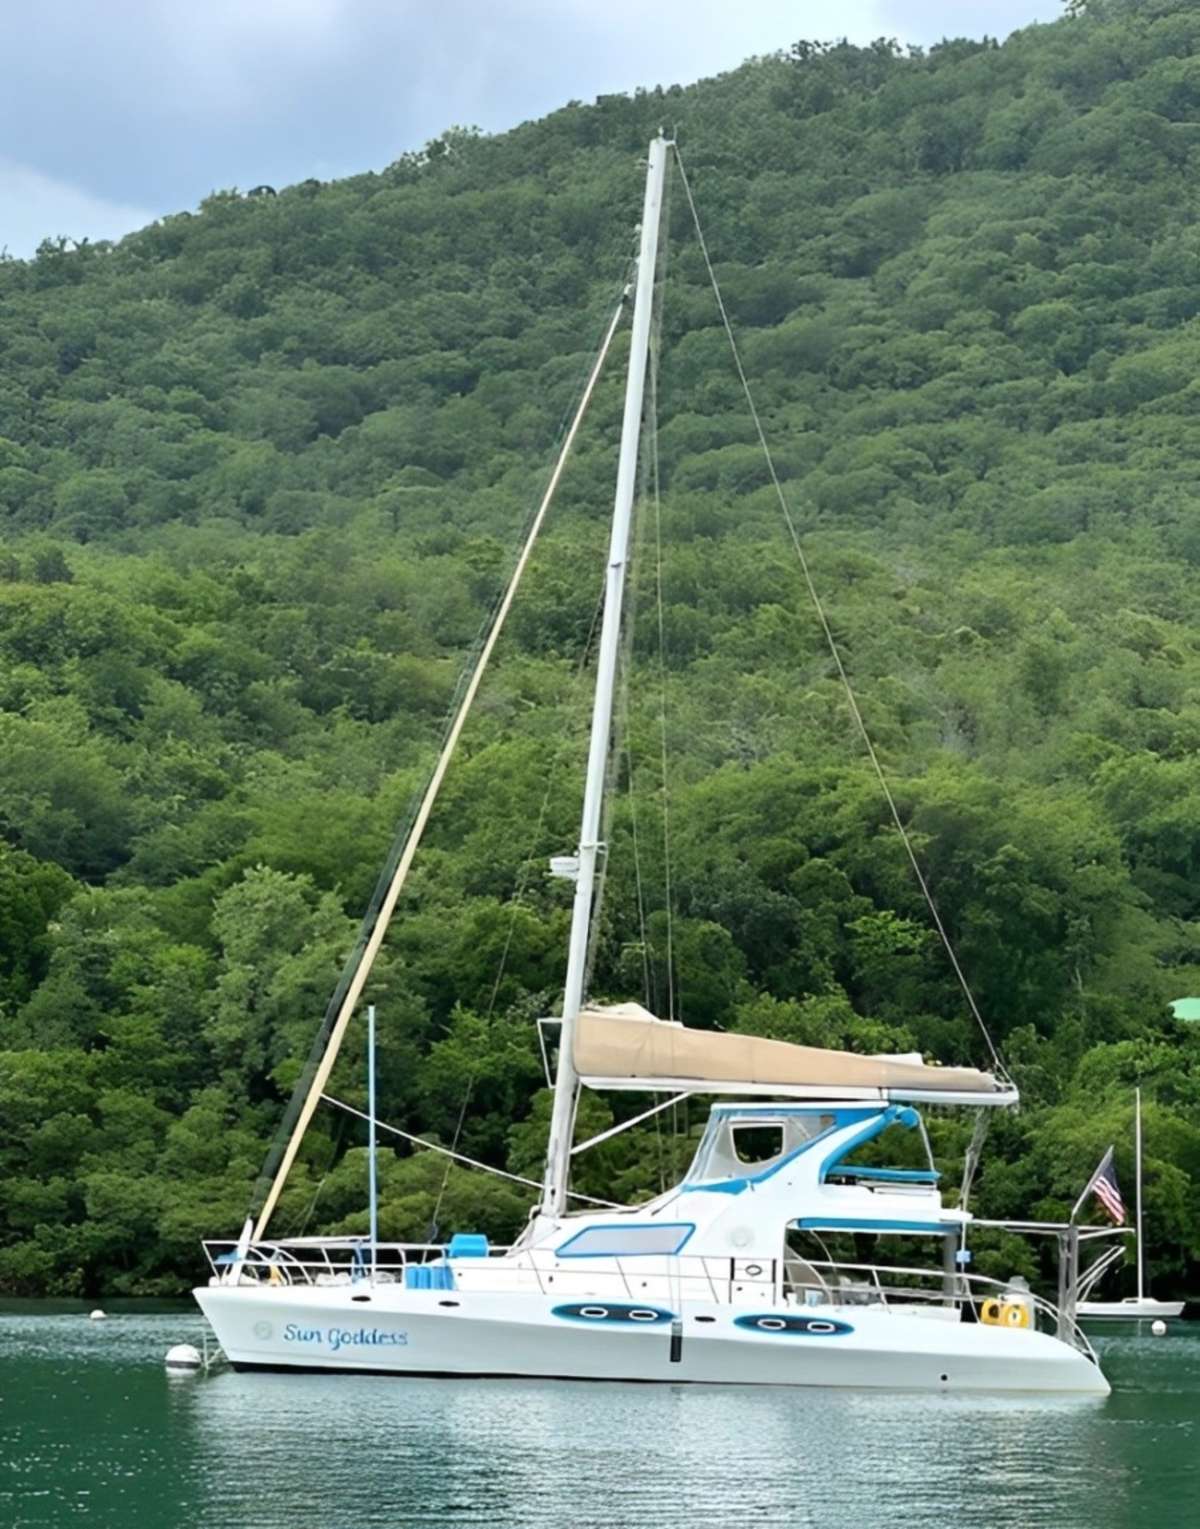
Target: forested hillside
(264,468)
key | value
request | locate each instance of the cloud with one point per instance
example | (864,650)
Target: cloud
(34,207)
(154,103)
(928,21)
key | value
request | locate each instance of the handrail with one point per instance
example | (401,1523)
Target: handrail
(691,1275)
(963,1292)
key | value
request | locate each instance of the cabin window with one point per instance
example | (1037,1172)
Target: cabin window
(757,1144)
(627,1241)
(741,1146)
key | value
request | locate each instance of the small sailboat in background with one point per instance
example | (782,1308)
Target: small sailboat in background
(1133,1307)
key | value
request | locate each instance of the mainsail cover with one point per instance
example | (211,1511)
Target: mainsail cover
(624,1046)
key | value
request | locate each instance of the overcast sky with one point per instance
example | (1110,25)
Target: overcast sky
(115,113)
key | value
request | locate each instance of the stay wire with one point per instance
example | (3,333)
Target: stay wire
(831,641)
(527,863)
(656,491)
(514,904)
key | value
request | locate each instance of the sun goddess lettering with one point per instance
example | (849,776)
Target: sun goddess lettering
(345,1337)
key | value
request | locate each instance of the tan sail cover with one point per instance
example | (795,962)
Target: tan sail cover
(617,1045)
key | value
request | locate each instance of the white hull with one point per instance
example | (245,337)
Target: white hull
(395,1330)
(1135,1309)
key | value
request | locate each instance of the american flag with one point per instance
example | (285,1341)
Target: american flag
(1104,1187)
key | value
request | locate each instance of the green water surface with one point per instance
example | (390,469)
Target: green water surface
(94,1432)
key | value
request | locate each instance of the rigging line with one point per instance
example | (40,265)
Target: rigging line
(471,1162)
(530,859)
(623,730)
(400,875)
(655,487)
(830,640)
(625,1125)
(971,1159)
(622,676)
(523,877)
(300,1227)
(637,878)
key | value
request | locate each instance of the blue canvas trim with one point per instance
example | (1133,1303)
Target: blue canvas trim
(889,1175)
(717,1187)
(895,1114)
(859,1224)
(468,1245)
(841,1118)
(686,1227)
(428,1277)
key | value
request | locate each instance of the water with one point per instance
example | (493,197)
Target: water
(93,1432)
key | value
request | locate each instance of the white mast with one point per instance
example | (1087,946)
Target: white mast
(1137,1139)
(566,1083)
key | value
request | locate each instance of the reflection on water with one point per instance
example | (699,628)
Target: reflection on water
(94,1432)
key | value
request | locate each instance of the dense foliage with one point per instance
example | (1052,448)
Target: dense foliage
(262,471)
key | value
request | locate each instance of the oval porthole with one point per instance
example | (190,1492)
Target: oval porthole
(640,1314)
(596,1313)
(821,1327)
(754,1270)
(771,1324)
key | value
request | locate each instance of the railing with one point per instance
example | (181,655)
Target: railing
(346,1261)
(882,1284)
(675,1278)
(320,1260)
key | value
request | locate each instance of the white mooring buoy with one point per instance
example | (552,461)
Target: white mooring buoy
(1158,1327)
(183,1357)
(97,1315)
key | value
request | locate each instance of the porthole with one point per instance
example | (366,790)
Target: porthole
(794,1326)
(618,1314)
(754,1270)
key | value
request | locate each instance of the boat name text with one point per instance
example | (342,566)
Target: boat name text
(344,1337)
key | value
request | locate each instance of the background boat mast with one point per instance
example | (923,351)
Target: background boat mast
(1137,1144)
(566,1084)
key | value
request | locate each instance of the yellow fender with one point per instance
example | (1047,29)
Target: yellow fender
(991,1312)
(1015,1314)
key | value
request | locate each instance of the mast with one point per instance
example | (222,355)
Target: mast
(566,1083)
(1137,1142)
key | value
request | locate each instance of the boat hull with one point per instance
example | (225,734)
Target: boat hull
(1134,1310)
(394,1330)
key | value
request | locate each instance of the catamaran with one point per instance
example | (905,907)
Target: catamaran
(1139,1307)
(749,1269)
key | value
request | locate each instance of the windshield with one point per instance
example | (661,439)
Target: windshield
(746,1145)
